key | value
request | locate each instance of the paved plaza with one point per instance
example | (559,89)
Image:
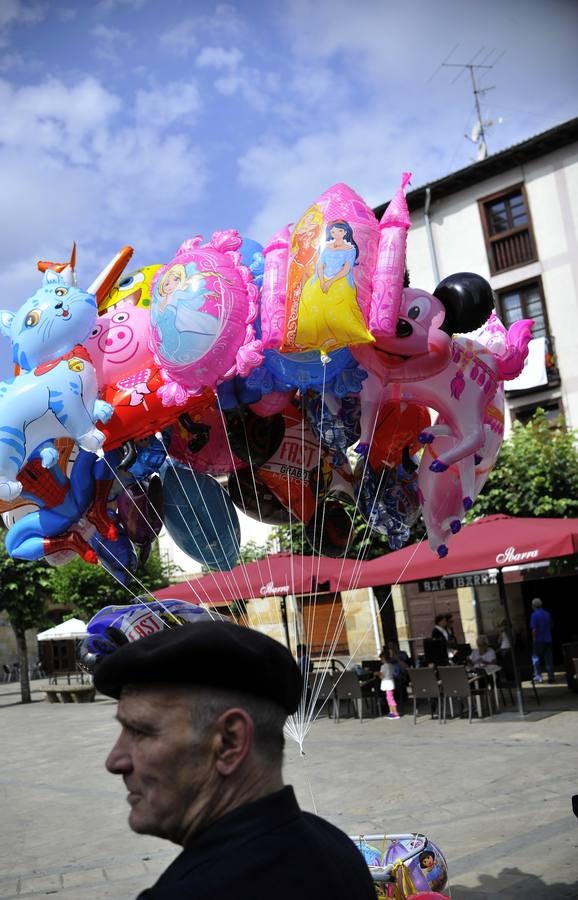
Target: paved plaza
(494,795)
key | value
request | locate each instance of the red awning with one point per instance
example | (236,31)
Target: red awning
(490,543)
(280,574)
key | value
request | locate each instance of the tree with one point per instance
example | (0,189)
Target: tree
(88,588)
(536,473)
(24,593)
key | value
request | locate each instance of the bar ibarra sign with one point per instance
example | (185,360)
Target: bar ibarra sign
(472,579)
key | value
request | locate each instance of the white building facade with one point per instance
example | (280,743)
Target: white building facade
(513,218)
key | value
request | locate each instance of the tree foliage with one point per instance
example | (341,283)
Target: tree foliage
(25,590)
(88,588)
(536,473)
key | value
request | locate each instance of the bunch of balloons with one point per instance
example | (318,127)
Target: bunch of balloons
(285,380)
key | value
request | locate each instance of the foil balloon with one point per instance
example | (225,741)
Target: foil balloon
(424,365)
(202,443)
(380,507)
(201,518)
(338,430)
(442,494)
(251,253)
(114,626)
(130,379)
(55,392)
(134,288)
(140,510)
(389,274)
(254,439)
(427,869)
(203,309)
(274,288)
(396,434)
(255,499)
(287,473)
(45,521)
(329,533)
(272,403)
(333,251)
(339,374)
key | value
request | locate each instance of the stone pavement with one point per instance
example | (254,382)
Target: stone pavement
(494,795)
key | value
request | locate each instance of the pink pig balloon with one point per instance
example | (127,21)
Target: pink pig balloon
(118,344)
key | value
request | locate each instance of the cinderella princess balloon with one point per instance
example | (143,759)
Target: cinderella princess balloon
(204,303)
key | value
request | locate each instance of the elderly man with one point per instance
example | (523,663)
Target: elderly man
(202,709)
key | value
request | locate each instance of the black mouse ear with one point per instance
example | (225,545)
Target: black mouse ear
(468,301)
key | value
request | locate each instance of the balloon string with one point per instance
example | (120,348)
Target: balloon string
(255,607)
(199,523)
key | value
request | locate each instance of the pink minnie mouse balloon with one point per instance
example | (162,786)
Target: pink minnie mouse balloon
(332,255)
(203,305)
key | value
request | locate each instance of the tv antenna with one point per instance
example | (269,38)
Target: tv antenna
(478,133)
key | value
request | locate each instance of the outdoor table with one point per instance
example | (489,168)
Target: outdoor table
(491,671)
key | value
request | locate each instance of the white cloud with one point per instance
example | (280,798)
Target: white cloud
(73,168)
(255,86)
(289,177)
(110,44)
(58,119)
(178,102)
(18,12)
(110,6)
(219,57)
(192,32)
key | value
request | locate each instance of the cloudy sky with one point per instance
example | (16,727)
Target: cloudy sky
(144,121)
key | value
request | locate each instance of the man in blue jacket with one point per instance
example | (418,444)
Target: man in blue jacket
(541,625)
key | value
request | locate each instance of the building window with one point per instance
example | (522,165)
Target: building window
(552,409)
(507,229)
(526,301)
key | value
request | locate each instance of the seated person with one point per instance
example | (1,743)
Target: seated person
(483,655)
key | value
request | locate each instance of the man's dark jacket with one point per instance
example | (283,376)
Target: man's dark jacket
(267,850)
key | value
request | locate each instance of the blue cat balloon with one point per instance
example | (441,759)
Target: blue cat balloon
(55,393)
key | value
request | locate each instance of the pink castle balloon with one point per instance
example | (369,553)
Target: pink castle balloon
(388,276)
(273,289)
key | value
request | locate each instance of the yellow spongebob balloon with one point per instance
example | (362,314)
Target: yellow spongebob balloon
(134,287)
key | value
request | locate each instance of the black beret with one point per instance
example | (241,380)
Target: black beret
(208,654)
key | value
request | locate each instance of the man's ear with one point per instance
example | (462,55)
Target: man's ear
(233,740)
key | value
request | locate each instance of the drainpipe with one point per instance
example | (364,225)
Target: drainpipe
(373,607)
(430,241)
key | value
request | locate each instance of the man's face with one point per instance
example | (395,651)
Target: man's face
(165,766)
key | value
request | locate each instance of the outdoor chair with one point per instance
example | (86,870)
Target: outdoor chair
(456,686)
(320,692)
(424,686)
(506,676)
(348,689)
